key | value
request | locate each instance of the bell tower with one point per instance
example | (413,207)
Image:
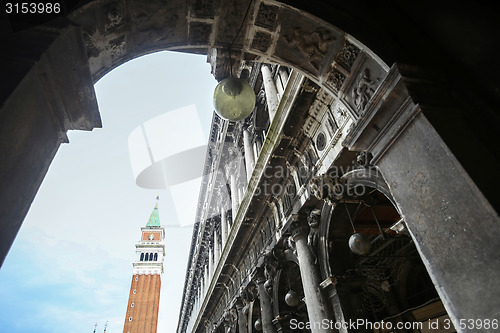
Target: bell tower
(144,297)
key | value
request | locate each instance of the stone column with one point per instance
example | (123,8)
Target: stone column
(311,279)
(281,80)
(223,225)
(234,195)
(241,194)
(216,249)
(210,264)
(455,229)
(283,75)
(242,319)
(270,90)
(266,308)
(206,282)
(249,157)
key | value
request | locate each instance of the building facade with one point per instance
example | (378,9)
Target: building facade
(305,219)
(144,298)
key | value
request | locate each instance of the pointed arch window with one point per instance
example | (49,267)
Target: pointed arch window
(146,258)
(142,256)
(156,256)
(150,257)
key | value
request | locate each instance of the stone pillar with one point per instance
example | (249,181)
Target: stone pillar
(216,249)
(270,90)
(206,282)
(266,308)
(283,75)
(241,194)
(61,98)
(234,195)
(249,157)
(454,227)
(210,264)
(242,319)
(311,279)
(223,225)
(281,80)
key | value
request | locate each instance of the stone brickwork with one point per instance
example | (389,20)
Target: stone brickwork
(143,304)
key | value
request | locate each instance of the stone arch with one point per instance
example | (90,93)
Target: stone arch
(288,280)
(355,280)
(371,178)
(98,36)
(273,32)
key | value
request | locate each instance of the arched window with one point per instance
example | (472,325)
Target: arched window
(150,257)
(147,257)
(142,256)
(156,256)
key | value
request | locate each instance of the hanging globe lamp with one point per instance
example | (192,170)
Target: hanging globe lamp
(234,99)
(359,244)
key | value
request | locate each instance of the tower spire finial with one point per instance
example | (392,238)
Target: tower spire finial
(154,219)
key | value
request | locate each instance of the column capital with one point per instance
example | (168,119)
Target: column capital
(240,303)
(258,276)
(230,318)
(299,227)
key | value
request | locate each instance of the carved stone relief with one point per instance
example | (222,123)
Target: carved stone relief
(363,89)
(266,17)
(154,23)
(114,16)
(230,319)
(199,32)
(202,9)
(305,43)
(261,41)
(313,220)
(327,188)
(314,44)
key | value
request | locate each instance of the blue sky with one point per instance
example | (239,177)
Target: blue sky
(70,265)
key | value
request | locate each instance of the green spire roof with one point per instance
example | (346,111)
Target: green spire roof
(154,219)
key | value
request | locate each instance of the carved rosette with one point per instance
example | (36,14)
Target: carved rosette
(347,55)
(336,79)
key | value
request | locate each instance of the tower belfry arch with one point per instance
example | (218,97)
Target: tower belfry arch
(408,116)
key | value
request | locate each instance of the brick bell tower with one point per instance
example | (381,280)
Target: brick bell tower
(144,298)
